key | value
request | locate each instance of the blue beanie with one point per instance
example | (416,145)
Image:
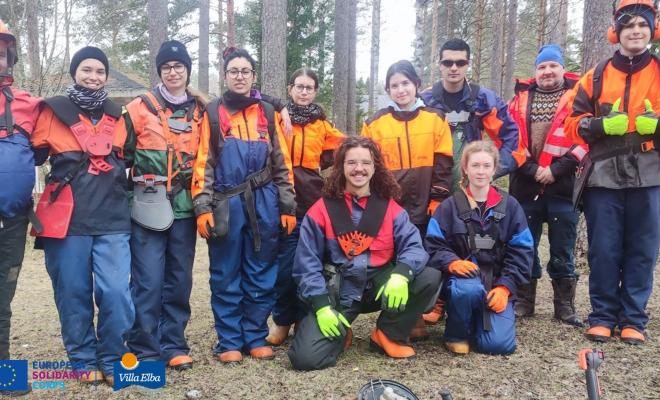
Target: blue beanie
(635,10)
(550,52)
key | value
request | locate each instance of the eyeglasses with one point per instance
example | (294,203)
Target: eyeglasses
(458,63)
(166,68)
(233,73)
(302,88)
(351,164)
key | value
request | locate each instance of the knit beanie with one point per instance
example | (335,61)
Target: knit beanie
(635,10)
(173,50)
(85,53)
(550,52)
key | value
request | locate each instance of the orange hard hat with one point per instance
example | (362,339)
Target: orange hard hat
(634,7)
(5,34)
(625,3)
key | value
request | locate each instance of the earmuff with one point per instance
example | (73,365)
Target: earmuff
(612,35)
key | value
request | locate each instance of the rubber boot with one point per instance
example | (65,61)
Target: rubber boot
(526,299)
(278,334)
(419,332)
(564,300)
(435,315)
(379,342)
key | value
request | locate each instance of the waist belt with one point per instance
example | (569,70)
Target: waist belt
(253,181)
(618,145)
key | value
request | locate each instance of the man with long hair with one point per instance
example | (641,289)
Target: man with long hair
(358,253)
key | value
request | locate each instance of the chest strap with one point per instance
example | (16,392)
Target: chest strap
(355,240)
(99,144)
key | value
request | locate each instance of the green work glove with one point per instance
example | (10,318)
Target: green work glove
(395,293)
(328,320)
(647,123)
(615,123)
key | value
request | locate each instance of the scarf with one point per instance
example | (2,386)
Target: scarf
(303,115)
(87,99)
(170,98)
(238,101)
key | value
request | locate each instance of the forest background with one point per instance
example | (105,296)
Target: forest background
(286,34)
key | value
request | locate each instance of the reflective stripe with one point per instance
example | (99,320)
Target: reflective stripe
(579,152)
(556,151)
(559,132)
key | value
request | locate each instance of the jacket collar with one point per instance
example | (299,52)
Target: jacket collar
(493,198)
(631,64)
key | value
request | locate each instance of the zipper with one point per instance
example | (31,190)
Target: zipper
(408,143)
(247,128)
(293,150)
(302,147)
(398,143)
(626,93)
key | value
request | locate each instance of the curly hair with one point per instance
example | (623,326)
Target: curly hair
(382,182)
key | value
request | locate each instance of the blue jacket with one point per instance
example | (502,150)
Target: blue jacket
(447,239)
(488,113)
(398,241)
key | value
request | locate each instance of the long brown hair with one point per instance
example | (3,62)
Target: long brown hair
(382,182)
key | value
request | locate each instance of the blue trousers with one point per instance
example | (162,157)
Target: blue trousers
(562,232)
(243,280)
(288,307)
(623,227)
(85,270)
(465,307)
(161,282)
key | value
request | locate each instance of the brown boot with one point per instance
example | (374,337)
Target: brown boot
(278,334)
(526,299)
(564,300)
(435,315)
(349,339)
(419,332)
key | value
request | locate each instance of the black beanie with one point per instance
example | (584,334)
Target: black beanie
(173,50)
(85,53)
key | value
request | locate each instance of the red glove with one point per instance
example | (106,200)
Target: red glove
(433,204)
(203,222)
(288,222)
(497,298)
(463,268)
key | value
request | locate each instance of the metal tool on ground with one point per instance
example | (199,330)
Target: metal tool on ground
(589,361)
(385,389)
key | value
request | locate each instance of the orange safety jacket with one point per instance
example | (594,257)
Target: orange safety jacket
(559,152)
(417,148)
(631,160)
(101,203)
(311,147)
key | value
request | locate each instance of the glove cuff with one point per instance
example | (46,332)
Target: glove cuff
(319,301)
(597,128)
(403,270)
(504,289)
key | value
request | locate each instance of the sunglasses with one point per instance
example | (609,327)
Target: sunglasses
(458,63)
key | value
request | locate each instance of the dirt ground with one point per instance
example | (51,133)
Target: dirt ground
(544,366)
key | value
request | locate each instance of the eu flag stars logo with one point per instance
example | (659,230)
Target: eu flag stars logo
(13,375)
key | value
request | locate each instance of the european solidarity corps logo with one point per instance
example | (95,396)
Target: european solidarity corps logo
(13,375)
(129,371)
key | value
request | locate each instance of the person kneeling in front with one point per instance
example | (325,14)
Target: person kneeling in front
(358,253)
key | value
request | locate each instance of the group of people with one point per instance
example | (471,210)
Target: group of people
(406,221)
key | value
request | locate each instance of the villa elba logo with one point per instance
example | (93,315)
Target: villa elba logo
(129,371)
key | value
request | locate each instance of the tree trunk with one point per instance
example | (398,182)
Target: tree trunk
(595,46)
(157,20)
(449,21)
(559,23)
(498,47)
(351,103)
(341,61)
(543,16)
(32,24)
(511,33)
(221,48)
(13,22)
(420,6)
(478,47)
(375,49)
(435,10)
(273,46)
(231,24)
(203,72)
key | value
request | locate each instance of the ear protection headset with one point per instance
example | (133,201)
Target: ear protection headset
(613,36)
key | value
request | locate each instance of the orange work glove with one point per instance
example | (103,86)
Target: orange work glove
(463,268)
(497,298)
(203,222)
(288,222)
(433,204)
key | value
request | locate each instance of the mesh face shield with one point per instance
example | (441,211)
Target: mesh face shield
(8,58)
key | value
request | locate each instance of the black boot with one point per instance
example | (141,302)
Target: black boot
(526,299)
(564,299)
